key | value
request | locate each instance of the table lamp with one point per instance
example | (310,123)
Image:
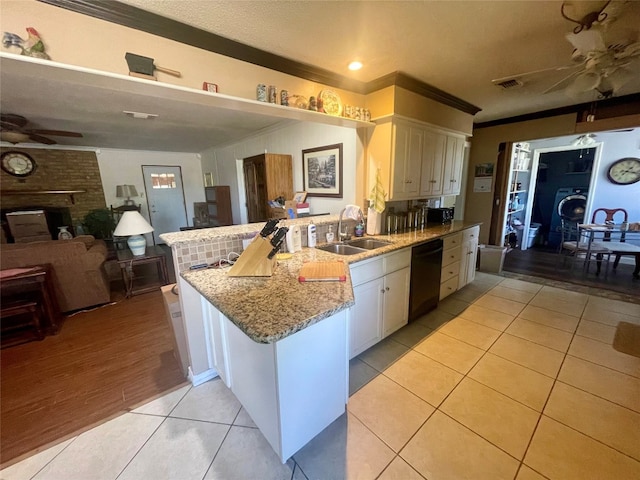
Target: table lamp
(134,226)
(127,191)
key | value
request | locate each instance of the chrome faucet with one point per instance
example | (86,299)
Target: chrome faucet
(344,236)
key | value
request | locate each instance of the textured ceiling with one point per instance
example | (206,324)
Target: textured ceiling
(456,46)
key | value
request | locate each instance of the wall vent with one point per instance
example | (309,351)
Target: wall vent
(510,83)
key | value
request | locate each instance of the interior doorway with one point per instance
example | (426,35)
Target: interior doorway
(165,198)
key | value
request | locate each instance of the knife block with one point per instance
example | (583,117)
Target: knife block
(253,262)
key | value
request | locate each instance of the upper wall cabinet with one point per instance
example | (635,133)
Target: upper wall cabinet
(415,159)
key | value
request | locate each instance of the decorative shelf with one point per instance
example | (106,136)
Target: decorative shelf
(513,192)
(71,193)
(515,211)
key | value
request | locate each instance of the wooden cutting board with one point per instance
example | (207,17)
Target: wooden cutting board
(322,272)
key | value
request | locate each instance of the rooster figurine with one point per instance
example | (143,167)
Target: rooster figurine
(32,46)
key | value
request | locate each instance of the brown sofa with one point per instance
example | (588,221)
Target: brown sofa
(79,275)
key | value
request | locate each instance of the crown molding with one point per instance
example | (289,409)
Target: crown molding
(138,19)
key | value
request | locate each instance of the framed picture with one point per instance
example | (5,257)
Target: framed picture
(300,197)
(322,171)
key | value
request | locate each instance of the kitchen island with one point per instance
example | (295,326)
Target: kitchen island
(281,346)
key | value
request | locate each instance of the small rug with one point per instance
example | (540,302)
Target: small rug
(627,338)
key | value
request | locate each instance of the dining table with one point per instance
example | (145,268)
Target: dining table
(617,238)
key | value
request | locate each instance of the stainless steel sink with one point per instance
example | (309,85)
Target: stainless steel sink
(368,243)
(341,249)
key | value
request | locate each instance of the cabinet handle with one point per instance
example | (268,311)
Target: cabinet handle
(382,291)
(387,289)
(432,181)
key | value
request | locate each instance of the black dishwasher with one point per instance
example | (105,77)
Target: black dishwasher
(426,263)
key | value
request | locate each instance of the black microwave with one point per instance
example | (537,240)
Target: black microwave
(440,215)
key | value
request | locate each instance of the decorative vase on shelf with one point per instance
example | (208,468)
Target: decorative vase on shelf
(64,234)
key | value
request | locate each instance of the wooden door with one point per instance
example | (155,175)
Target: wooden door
(503,166)
(255,188)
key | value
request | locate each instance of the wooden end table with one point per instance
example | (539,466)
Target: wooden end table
(127,261)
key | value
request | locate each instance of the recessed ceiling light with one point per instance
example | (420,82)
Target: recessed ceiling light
(355,65)
(145,116)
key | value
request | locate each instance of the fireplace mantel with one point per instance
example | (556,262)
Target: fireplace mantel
(71,193)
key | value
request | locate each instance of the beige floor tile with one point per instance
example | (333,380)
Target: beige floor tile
(504,422)
(540,334)
(528,354)
(560,452)
(515,381)
(383,354)
(400,470)
(550,318)
(596,331)
(601,314)
(346,449)
(487,278)
(468,294)
(511,293)
(564,294)
(428,379)
(390,411)
(435,319)
(451,352)
(487,317)
(626,308)
(520,285)
(573,308)
(617,387)
(452,305)
(527,473)
(605,421)
(445,450)
(411,334)
(605,355)
(470,332)
(499,304)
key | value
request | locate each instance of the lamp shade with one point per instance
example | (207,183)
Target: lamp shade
(126,191)
(133,225)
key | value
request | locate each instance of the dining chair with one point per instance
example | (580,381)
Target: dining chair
(574,244)
(619,248)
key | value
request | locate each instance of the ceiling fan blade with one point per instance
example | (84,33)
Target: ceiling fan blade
(60,133)
(630,50)
(587,40)
(12,120)
(559,85)
(559,68)
(584,82)
(40,139)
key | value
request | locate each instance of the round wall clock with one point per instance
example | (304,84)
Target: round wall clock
(18,164)
(624,171)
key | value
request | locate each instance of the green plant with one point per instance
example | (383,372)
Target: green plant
(99,223)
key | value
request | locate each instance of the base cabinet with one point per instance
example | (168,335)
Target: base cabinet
(469,256)
(381,293)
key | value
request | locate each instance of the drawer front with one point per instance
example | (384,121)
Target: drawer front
(449,271)
(397,260)
(448,287)
(362,272)
(470,233)
(451,255)
(451,241)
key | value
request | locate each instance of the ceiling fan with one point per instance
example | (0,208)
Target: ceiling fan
(12,130)
(595,65)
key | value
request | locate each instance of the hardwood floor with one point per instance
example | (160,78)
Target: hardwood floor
(102,363)
(545,263)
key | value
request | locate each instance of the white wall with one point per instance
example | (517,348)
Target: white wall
(120,167)
(615,145)
(289,139)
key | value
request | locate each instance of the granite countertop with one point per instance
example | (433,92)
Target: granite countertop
(268,309)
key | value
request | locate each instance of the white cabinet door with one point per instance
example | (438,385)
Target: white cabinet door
(469,257)
(365,317)
(453,159)
(407,159)
(396,300)
(432,163)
